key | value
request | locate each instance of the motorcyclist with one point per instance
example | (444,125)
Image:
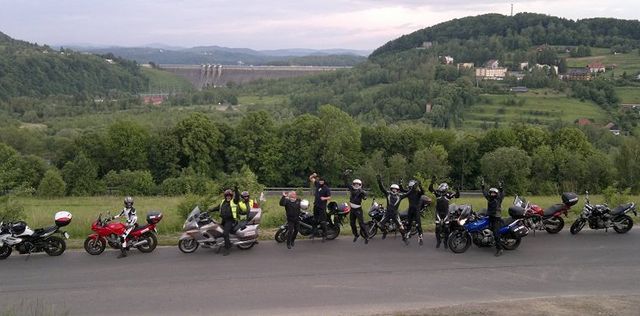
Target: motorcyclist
(494,208)
(414,192)
(356,196)
(291,204)
(322,195)
(394,197)
(443,196)
(245,202)
(132,219)
(228,209)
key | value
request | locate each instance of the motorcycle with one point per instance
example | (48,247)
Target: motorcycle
(336,215)
(601,217)
(202,230)
(444,226)
(471,227)
(377,212)
(144,238)
(549,219)
(18,235)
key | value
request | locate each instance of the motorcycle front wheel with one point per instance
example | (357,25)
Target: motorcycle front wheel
(55,246)
(94,246)
(372,229)
(5,252)
(333,231)
(459,241)
(626,223)
(152,243)
(281,235)
(188,245)
(554,225)
(510,243)
(577,226)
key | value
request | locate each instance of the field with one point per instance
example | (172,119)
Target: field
(163,81)
(629,94)
(540,107)
(629,62)
(39,212)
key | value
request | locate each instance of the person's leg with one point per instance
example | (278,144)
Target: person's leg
(403,231)
(323,223)
(289,233)
(226,230)
(418,223)
(294,234)
(352,223)
(383,224)
(496,224)
(363,226)
(123,244)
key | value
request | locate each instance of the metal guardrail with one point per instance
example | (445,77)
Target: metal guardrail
(278,191)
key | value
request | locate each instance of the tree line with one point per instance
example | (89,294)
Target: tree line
(200,156)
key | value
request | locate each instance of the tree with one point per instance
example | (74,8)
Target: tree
(126,182)
(498,137)
(573,139)
(52,184)
(81,175)
(301,148)
(127,145)
(431,162)
(339,139)
(510,165)
(626,162)
(398,167)
(163,156)
(199,144)
(531,137)
(464,158)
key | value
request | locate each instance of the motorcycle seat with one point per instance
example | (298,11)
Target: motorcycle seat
(138,227)
(42,231)
(553,209)
(620,208)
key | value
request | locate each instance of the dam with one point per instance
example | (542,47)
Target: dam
(203,76)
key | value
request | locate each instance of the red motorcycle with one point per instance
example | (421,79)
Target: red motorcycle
(549,219)
(142,237)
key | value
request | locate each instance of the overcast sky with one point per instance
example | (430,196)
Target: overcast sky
(266,24)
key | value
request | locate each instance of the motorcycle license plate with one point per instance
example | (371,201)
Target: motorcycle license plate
(66,235)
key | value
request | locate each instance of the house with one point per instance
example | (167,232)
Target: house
(519,89)
(448,60)
(491,73)
(492,64)
(524,65)
(596,67)
(576,74)
(583,122)
(469,66)
(613,128)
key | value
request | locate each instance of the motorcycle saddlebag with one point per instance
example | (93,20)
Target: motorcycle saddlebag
(569,198)
(154,217)
(63,218)
(516,212)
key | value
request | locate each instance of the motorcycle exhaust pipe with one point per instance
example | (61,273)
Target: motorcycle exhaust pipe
(140,243)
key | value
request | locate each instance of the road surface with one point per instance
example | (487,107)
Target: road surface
(336,277)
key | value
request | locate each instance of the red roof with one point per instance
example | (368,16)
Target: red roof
(584,121)
(595,65)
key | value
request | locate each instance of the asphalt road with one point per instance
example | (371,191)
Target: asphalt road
(336,277)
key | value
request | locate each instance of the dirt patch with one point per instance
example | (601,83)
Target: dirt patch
(557,306)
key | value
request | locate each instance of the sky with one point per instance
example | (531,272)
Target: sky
(265,24)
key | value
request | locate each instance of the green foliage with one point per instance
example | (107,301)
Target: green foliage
(431,162)
(18,172)
(188,183)
(10,209)
(626,162)
(339,140)
(189,202)
(127,146)
(510,165)
(52,184)
(199,144)
(245,180)
(614,197)
(126,182)
(81,175)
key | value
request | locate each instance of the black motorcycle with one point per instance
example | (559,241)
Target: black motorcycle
(601,217)
(336,215)
(19,236)
(444,226)
(377,212)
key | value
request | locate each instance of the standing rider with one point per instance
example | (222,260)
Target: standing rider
(228,213)
(494,209)
(132,219)
(292,207)
(322,196)
(443,196)
(356,196)
(394,197)
(416,203)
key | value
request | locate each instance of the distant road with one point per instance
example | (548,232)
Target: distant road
(336,277)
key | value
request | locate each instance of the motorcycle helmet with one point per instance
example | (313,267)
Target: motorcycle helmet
(412,184)
(128,202)
(493,191)
(394,187)
(304,205)
(245,195)
(228,193)
(357,182)
(18,228)
(443,187)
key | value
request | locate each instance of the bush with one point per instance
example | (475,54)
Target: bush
(246,180)
(10,209)
(52,184)
(127,182)
(190,201)
(189,183)
(613,197)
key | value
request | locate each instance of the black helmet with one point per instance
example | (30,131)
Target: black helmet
(228,192)
(128,202)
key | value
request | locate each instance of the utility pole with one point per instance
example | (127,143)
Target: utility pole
(512,9)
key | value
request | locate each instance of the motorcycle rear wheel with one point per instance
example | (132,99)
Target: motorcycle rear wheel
(5,252)
(246,246)
(628,223)
(372,229)
(188,245)
(556,226)
(152,243)
(577,226)
(459,241)
(333,231)
(281,235)
(510,243)
(94,246)
(55,246)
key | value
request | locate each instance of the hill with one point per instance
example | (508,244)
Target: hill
(233,56)
(38,71)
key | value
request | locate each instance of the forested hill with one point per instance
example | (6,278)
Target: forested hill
(36,71)
(524,29)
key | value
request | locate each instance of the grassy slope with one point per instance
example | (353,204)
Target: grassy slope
(39,212)
(163,81)
(540,107)
(629,94)
(629,62)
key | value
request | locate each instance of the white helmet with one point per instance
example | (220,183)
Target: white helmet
(357,181)
(395,187)
(493,190)
(443,187)
(304,204)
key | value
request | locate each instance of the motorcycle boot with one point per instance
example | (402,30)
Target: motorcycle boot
(498,252)
(420,240)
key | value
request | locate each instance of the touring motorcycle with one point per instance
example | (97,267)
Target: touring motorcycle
(142,237)
(336,215)
(601,217)
(202,230)
(19,236)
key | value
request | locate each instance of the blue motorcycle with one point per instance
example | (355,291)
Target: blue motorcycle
(472,227)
